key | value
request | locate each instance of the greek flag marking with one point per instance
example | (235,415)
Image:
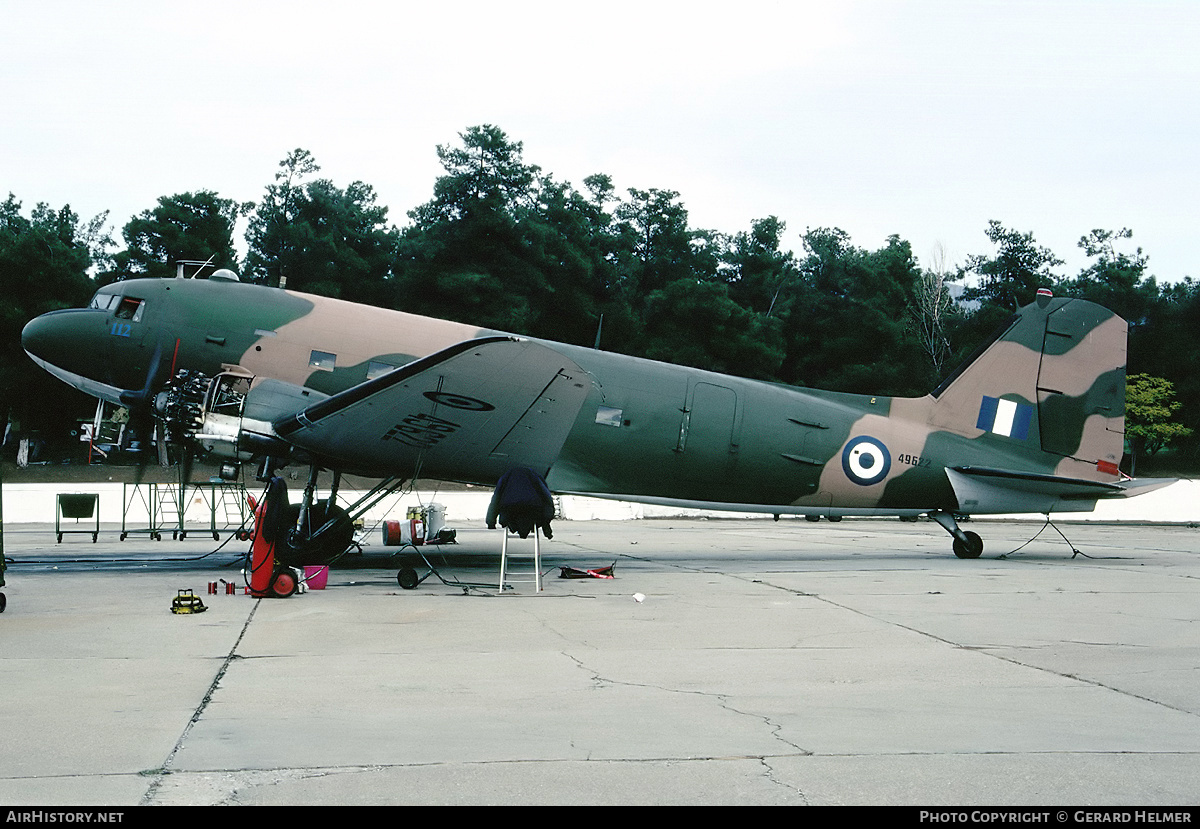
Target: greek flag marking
(1005,417)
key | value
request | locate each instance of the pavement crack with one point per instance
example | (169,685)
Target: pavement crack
(985,650)
(771,777)
(165,769)
(722,700)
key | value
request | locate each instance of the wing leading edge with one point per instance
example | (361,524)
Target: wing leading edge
(468,413)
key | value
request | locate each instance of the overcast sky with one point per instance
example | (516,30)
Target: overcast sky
(924,119)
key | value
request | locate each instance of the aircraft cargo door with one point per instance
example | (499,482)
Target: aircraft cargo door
(708,437)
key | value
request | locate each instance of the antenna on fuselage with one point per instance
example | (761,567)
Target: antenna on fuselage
(200,265)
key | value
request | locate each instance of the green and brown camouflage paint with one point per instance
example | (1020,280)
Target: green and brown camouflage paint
(659,432)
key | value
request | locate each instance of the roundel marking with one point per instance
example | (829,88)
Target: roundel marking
(866,460)
(458,401)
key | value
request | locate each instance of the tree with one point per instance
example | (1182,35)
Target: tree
(847,328)
(475,251)
(502,245)
(1115,278)
(44,261)
(1011,278)
(487,174)
(756,270)
(195,227)
(658,247)
(931,309)
(319,238)
(271,235)
(1150,406)
(697,324)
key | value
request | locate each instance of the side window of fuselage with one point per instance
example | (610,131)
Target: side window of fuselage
(130,308)
(378,369)
(322,361)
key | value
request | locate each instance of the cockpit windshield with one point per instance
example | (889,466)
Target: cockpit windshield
(104,301)
(122,307)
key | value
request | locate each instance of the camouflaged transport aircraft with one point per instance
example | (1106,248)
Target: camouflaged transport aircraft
(1034,422)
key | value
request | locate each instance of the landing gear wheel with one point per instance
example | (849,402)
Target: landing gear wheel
(407,578)
(320,549)
(284,584)
(971,547)
(3,602)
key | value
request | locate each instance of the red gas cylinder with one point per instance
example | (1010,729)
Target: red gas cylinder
(399,533)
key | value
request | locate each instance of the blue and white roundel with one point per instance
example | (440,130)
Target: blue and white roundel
(866,460)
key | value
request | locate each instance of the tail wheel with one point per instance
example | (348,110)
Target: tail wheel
(970,546)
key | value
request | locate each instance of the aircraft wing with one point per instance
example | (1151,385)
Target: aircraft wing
(469,412)
(981,489)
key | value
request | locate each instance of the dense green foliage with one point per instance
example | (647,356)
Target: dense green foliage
(503,244)
(1149,411)
(44,262)
(189,227)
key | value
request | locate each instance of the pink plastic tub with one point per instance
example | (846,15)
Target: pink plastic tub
(316,577)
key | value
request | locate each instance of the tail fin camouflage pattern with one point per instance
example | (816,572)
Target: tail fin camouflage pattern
(1052,381)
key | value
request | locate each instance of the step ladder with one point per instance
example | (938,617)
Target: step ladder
(170,506)
(507,557)
(233,500)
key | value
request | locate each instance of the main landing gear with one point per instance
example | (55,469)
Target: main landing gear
(966,543)
(319,530)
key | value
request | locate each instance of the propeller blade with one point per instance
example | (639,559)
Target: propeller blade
(141,412)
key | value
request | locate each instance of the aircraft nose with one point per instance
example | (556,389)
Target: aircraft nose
(43,336)
(67,339)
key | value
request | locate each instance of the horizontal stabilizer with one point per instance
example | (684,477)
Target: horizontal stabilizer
(469,412)
(984,490)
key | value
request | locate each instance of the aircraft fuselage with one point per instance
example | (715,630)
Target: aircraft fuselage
(646,430)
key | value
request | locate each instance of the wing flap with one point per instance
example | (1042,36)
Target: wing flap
(469,412)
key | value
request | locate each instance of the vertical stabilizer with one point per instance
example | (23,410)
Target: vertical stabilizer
(1050,387)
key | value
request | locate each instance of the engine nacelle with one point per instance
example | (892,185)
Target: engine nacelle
(230,415)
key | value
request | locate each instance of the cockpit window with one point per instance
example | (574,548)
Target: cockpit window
(103,301)
(130,308)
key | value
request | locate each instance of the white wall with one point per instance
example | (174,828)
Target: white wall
(36,503)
